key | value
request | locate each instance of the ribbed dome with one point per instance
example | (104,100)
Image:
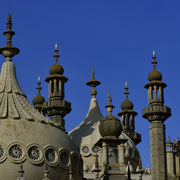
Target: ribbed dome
(155,75)
(38,99)
(110,126)
(127,104)
(56,69)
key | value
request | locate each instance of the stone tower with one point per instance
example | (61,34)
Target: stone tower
(156,113)
(56,107)
(127,115)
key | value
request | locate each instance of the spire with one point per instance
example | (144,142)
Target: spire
(56,55)
(109,107)
(93,83)
(154,62)
(8,51)
(39,86)
(21,172)
(46,172)
(126,90)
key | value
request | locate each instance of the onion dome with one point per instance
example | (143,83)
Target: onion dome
(32,138)
(56,68)
(38,100)
(154,75)
(110,126)
(127,104)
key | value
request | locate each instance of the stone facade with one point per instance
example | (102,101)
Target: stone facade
(35,147)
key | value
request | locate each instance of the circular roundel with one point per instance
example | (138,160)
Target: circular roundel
(64,157)
(51,156)
(16,152)
(95,149)
(85,149)
(3,153)
(35,154)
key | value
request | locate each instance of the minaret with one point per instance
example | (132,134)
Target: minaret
(156,113)
(127,115)
(57,107)
(38,100)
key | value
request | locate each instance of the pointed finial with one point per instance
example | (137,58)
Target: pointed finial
(46,172)
(129,172)
(56,55)
(21,172)
(39,85)
(154,62)
(109,97)
(93,83)
(126,90)
(9,33)
(93,74)
(109,107)
(8,51)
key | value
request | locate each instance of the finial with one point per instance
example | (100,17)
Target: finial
(9,33)
(129,172)
(39,85)
(21,171)
(56,55)
(109,97)
(177,138)
(126,90)
(93,83)
(46,172)
(109,107)
(93,74)
(8,51)
(154,62)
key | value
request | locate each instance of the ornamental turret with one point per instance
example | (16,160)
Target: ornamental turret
(127,116)
(39,99)
(156,113)
(56,107)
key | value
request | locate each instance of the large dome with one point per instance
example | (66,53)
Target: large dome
(29,137)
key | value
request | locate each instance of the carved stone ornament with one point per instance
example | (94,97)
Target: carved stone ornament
(51,156)
(35,154)
(16,153)
(64,157)
(3,153)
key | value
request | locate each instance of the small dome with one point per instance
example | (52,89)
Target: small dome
(155,75)
(127,104)
(110,126)
(56,69)
(38,99)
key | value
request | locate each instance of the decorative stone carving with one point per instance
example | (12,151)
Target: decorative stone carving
(35,154)
(64,158)
(51,156)
(16,153)
(3,153)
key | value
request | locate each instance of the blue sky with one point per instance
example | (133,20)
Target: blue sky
(116,38)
